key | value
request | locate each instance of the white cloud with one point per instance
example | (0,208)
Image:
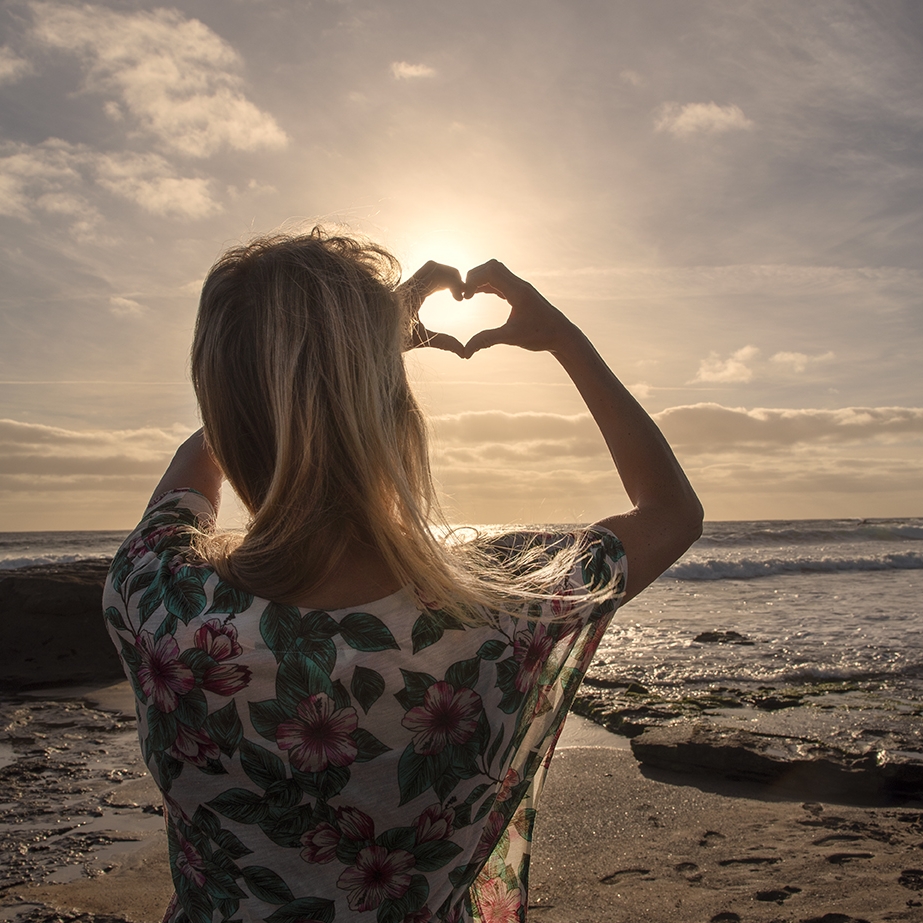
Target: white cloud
(173,76)
(57,178)
(150,181)
(799,361)
(695,118)
(732,369)
(402,70)
(12,66)
(632,78)
(125,307)
(709,427)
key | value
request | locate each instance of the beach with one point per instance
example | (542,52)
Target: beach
(83,834)
(763,799)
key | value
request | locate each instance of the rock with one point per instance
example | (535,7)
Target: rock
(783,762)
(722,637)
(51,626)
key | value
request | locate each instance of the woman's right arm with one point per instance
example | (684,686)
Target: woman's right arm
(666,517)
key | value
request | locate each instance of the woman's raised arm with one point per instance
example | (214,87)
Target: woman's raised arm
(193,467)
(667,516)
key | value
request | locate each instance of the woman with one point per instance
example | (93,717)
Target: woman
(346,714)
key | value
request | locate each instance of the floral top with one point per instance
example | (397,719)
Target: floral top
(381,760)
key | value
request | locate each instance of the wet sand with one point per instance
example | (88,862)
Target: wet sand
(81,836)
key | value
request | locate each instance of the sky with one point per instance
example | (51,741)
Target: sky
(726,196)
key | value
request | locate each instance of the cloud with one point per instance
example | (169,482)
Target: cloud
(632,78)
(12,67)
(799,361)
(402,70)
(56,177)
(708,427)
(172,76)
(35,457)
(150,181)
(125,307)
(700,118)
(732,369)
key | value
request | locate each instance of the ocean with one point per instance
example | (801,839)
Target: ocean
(812,601)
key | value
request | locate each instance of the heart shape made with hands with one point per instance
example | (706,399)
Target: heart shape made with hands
(454,316)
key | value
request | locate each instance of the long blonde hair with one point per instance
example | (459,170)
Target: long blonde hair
(297,364)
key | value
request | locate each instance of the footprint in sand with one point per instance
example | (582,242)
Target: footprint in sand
(777,894)
(613,877)
(710,838)
(725,917)
(838,838)
(836,918)
(841,858)
(911,878)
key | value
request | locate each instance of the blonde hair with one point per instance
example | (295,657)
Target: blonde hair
(297,364)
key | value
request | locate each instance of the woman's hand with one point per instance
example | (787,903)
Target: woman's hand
(534,323)
(428,279)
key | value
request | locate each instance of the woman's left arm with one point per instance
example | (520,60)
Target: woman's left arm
(193,467)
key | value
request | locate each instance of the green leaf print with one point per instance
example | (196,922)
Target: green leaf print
(229,599)
(414,691)
(495,746)
(416,772)
(152,598)
(304,908)
(288,828)
(367,687)
(114,618)
(231,844)
(161,728)
(184,595)
(318,626)
(204,820)
(426,631)
(279,627)
(266,716)
(224,728)
(398,838)
(366,632)
(368,745)
(282,795)
(266,885)
(323,785)
(141,582)
(261,766)
(240,805)
(506,681)
(321,650)
(298,678)
(464,673)
(435,854)
(492,650)
(341,697)
(192,709)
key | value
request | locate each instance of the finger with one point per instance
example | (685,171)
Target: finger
(485,289)
(448,343)
(434,277)
(487,338)
(423,337)
(492,273)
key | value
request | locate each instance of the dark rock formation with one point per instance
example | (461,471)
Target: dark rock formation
(786,763)
(51,626)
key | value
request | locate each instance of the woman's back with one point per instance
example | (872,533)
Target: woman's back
(316,763)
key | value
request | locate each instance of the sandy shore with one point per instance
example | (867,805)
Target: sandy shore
(82,837)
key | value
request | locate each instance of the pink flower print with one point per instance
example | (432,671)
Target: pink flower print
(530,650)
(423,915)
(378,874)
(162,675)
(435,823)
(495,904)
(193,746)
(320,736)
(217,640)
(509,783)
(320,844)
(355,824)
(226,678)
(142,544)
(189,863)
(446,716)
(493,830)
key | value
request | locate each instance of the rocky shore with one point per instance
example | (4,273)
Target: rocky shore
(826,739)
